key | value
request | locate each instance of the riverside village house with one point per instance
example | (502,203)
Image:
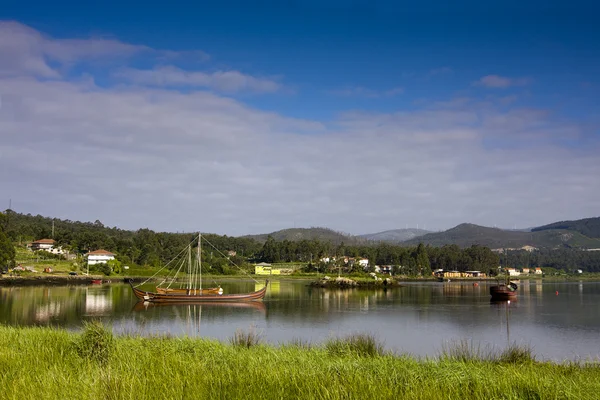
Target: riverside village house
(99,257)
(48,245)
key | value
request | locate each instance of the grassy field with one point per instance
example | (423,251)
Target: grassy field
(55,364)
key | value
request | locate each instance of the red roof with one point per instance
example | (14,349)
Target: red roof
(100,253)
(44,241)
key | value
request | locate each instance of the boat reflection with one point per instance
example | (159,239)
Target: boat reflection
(503,307)
(141,306)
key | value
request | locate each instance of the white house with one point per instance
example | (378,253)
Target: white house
(363,262)
(43,244)
(99,257)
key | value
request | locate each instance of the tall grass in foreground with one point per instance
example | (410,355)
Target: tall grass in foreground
(354,345)
(245,339)
(96,342)
(43,363)
(467,351)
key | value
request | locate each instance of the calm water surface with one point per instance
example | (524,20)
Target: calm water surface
(418,318)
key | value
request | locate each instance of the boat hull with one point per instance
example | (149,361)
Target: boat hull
(154,297)
(503,292)
(188,291)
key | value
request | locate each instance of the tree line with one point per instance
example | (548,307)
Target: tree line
(565,259)
(145,247)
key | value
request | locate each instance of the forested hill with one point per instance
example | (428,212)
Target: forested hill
(395,235)
(465,235)
(143,247)
(299,234)
(589,227)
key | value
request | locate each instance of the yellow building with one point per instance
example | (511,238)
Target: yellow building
(266,269)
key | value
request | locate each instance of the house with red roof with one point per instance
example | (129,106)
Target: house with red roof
(43,244)
(99,257)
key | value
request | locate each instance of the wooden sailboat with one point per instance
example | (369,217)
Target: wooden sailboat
(197,298)
(194,292)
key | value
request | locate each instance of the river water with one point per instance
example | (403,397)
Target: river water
(558,320)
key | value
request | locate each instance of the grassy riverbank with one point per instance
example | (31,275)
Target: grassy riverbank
(54,364)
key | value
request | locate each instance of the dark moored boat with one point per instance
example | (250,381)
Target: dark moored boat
(504,291)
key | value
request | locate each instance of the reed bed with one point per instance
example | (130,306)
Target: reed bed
(45,363)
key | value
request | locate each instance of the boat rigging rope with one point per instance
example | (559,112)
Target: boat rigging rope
(181,264)
(166,265)
(221,253)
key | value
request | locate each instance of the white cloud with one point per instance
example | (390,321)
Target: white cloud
(501,82)
(359,91)
(137,156)
(225,81)
(26,51)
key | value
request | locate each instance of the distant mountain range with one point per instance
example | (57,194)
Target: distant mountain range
(589,227)
(395,235)
(583,233)
(465,235)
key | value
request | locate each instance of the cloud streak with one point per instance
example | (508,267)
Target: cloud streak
(225,81)
(501,82)
(359,91)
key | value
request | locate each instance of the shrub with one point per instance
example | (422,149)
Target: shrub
(245,339)
(361,345)
(465,351)
(515,354)
(96,342)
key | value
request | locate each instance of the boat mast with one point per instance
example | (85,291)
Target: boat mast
(190,273)
(200,259)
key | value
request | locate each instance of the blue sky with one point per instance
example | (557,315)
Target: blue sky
(352,115)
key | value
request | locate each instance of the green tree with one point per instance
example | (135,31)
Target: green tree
(422,260)
(7,250)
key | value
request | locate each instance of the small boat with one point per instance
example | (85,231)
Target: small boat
(96,281)
(193,293)
(504,291)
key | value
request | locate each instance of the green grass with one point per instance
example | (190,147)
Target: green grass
(49,363)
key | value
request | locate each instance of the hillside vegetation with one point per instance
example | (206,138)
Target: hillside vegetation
(465,235)
(589,227)
(395,235)
(299,234)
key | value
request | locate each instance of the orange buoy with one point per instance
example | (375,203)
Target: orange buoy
(557,292)
(476,284)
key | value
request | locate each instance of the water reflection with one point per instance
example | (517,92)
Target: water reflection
(98,301)
(503,308)
(416,318)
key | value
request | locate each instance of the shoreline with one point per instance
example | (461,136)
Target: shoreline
(314,280)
